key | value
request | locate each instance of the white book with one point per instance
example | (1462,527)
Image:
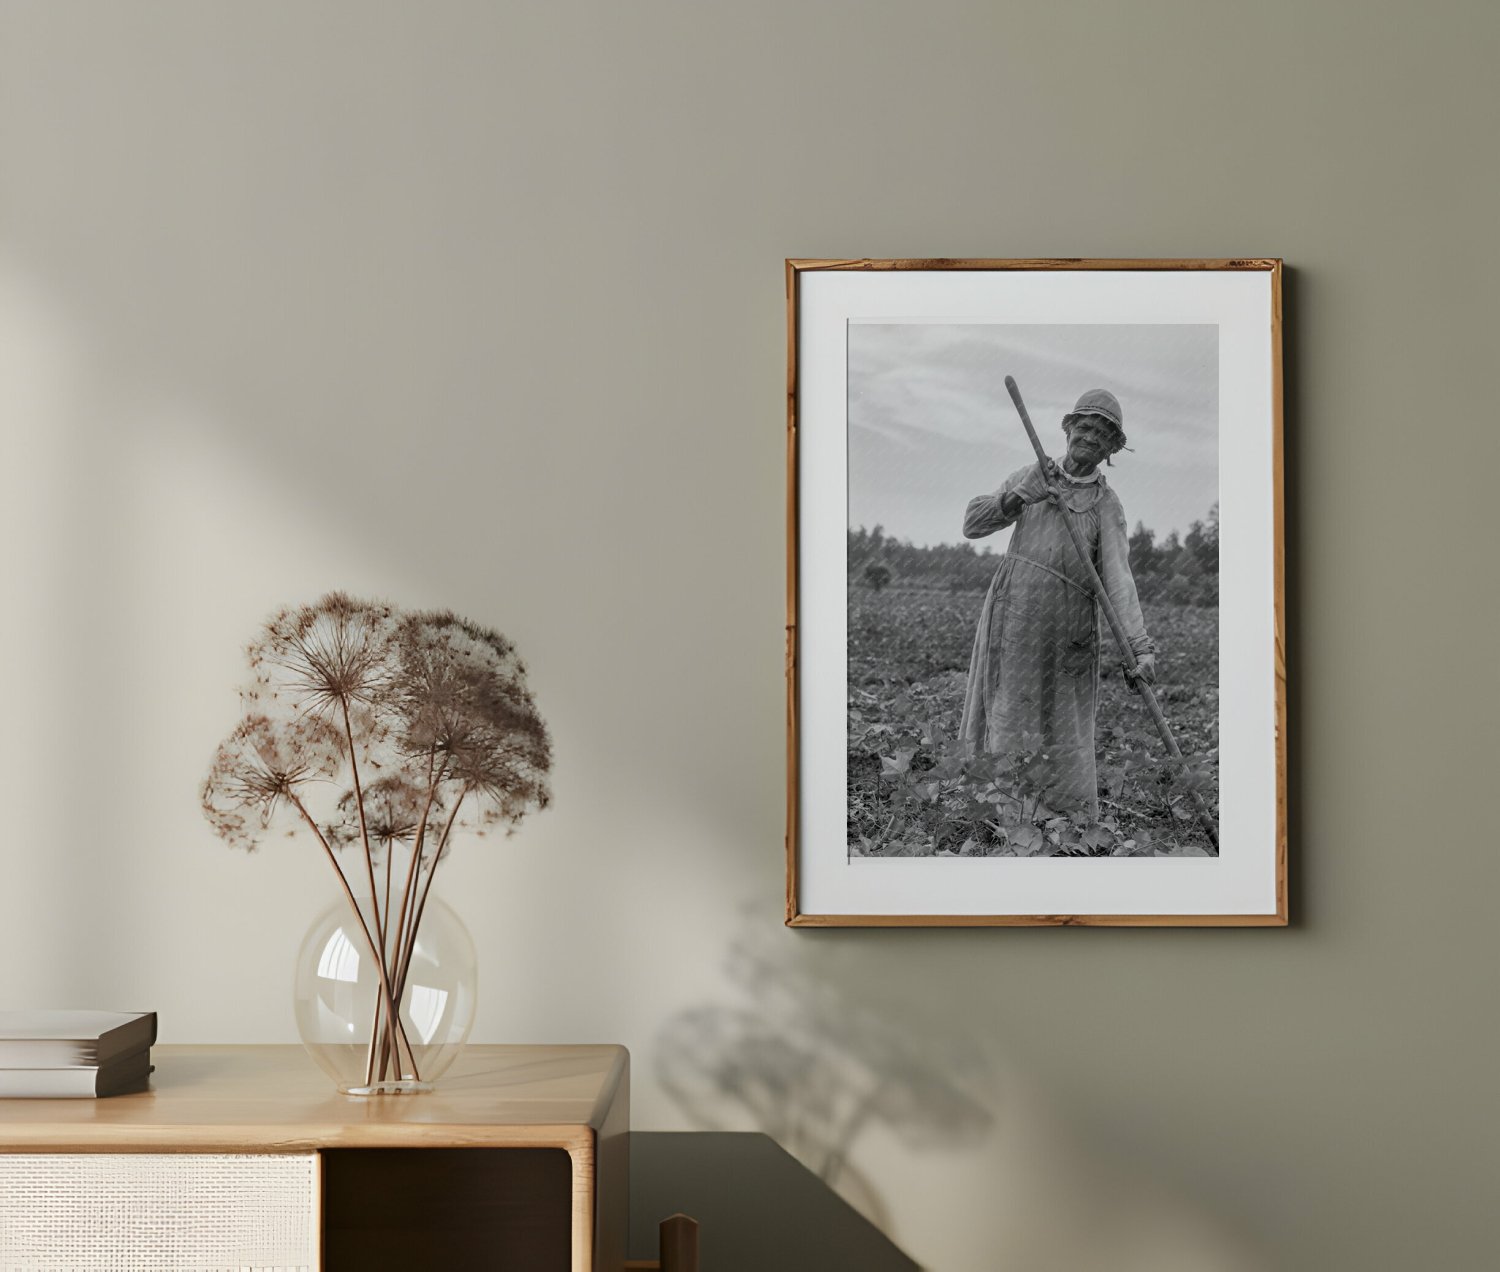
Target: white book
(120,1076)
(72,1039)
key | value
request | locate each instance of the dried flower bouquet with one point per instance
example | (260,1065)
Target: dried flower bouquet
(380,733)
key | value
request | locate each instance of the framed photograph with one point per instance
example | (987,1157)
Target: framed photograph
(1035,667)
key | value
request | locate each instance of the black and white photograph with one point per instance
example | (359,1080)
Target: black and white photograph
(1036,670)
(1033,641)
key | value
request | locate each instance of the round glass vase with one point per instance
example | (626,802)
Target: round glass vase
(340,1000)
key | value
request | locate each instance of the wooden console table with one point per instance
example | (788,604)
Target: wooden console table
(520,1158)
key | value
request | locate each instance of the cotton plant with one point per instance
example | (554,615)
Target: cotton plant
(381,736)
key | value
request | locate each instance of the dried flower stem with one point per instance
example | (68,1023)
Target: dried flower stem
(364,838)
(403,965)
(434,778)
(385,954)
(385,984)
(364,832)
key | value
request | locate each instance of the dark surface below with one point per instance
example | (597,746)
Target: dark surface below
(487,1210)
(758,1207)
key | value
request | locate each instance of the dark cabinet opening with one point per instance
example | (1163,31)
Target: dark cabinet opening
(415,1209)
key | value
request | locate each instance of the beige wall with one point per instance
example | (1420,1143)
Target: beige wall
(481,305)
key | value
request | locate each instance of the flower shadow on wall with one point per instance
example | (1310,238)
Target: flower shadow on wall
(854,1079)
(801,1060)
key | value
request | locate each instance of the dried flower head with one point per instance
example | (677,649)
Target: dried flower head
(394,806)
(427,709)
(323,658)
(261,767)
(461,696)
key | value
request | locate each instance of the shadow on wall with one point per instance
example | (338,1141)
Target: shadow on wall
(801,1060)
(919,1124)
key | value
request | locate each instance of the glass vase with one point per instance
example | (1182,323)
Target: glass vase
(341,1000)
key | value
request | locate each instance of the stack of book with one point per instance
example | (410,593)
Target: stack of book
(51,1055)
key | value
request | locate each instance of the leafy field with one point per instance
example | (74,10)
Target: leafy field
(912,791)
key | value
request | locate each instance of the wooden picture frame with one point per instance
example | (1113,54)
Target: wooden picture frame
(909,335)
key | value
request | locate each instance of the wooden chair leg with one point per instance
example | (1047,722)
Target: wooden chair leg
(679,1244)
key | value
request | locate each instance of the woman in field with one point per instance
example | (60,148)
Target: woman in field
(1034,673)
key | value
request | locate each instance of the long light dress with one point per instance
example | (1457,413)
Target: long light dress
(1034,673)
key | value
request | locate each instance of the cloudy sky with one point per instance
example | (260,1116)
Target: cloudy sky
(931,425)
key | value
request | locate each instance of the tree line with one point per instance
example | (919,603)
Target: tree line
(1183,569)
